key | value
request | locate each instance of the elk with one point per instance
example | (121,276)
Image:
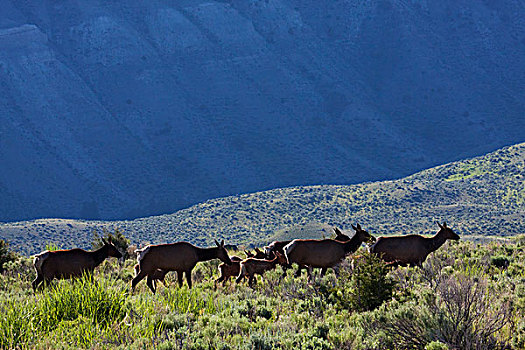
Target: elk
(234,269)
(258,254)
(251,266)
(340,237)
(227,271)
(311,253)
(70,263)
(278,246)
(411,249)
(275,246)
(157,275)
(181,257)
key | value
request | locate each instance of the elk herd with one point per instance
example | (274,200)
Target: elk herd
(155,261)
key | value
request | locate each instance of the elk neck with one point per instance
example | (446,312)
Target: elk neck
(205,254)
(352,245)
(437,241)
(100,254)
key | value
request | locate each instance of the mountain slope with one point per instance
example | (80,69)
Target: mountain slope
(120,110)
(478,197)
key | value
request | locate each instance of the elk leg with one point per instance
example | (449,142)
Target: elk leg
(336,270)
(220,279)
(285,269)
(39,279)
(188,278)
(150,283)
(309,270)
(164,282)
(179,278)
(137,279)
(323,271)
(250,280)
(298,272)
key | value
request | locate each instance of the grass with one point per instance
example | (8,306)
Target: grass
(364,308)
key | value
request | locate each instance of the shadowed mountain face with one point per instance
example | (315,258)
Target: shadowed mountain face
(112,109)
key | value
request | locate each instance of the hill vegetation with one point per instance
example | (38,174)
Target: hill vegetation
(143,108)
(480,198)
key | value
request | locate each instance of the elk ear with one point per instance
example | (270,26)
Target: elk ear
(355,228)
(257,250)
(439,224)
(358,226)
(217,243)
(337,231)
(222,243)
(104,241)
(445,224)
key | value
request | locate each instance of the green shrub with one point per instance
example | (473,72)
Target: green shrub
(98,301)
(6,255)
(260,341)
(117,238)
(436,345)
(370,285)
(501,261)
(51,246)
(16,323)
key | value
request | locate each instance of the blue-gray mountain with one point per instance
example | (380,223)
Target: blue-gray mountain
(119,109)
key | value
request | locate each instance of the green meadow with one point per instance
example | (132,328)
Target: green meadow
(466,296)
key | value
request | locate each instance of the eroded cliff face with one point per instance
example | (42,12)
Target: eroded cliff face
(125,109)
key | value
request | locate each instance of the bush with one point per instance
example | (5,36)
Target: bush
(370,285)
(117,238)
(99,302)
(5,254)
(462,312)
(500,261)
(435,345)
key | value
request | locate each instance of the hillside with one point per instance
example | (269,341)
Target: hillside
(112,110)
(478,197)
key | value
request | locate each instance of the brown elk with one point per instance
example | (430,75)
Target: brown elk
(339,236)
(411,249)
(227,271)
(278,246)
(181,257)
(251,266)
(65,264)
(311,253)
(157,275)
(275,246)
(257,255)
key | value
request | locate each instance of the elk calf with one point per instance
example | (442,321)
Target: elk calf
(227,271)
(232,270)
(251,266)
(65,264)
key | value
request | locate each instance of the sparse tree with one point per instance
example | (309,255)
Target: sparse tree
(117,238)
